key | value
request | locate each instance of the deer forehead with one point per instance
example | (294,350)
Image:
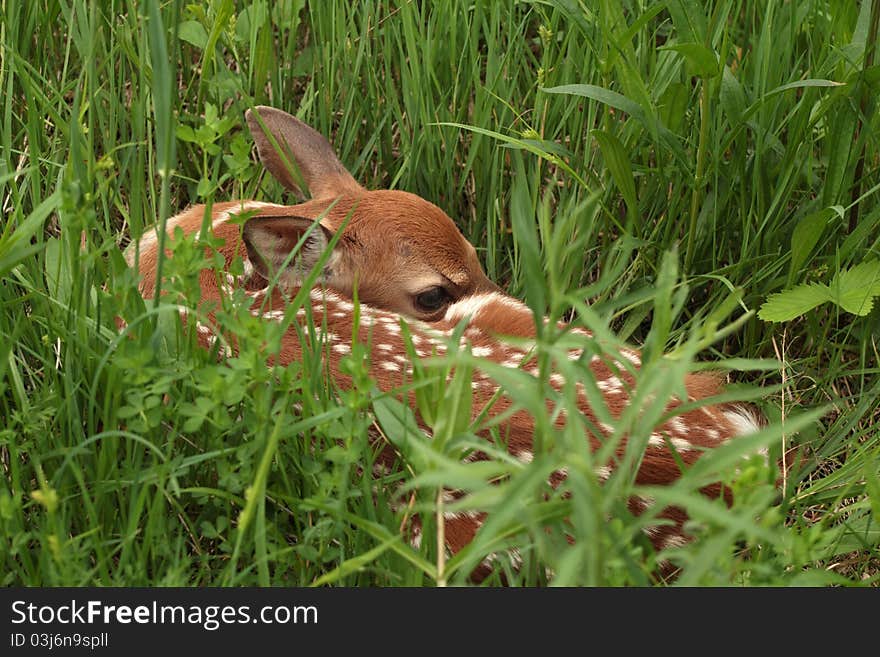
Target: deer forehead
(410,230)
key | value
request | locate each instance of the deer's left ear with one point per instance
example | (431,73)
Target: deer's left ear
(270,241)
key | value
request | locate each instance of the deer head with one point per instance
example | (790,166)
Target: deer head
(402,252)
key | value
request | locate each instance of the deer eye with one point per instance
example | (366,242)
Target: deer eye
(432,299)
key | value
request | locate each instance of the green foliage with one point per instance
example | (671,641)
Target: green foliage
(852,289)
(652,172)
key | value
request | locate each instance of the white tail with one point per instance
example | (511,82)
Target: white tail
(384,223)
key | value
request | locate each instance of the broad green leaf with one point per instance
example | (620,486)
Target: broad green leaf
(619,166)
(399,425)
(805,235)
(701,61)
(58,276)
(842,132)
(733,97)
(689,18)
(672,106)
(194,33)
(854,289)
(787,305)
(186,133)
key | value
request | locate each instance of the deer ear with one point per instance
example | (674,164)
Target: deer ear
(270,241)
(302,160)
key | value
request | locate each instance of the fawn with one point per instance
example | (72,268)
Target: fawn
(411,264)
(404,254)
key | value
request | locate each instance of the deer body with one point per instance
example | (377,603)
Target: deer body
(421,232)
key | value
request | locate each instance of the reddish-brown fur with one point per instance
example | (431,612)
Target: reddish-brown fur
(416,233)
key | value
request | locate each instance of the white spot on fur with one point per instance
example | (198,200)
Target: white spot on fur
(515,557)
(674,541)
(460,515)
(678,426)
(327,337)
(611,384)
(602,472)
(631,356)
(680,444)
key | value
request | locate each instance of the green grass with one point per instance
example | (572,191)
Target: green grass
(652,171)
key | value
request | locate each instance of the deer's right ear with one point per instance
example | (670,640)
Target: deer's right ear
(302,160)
(270,241)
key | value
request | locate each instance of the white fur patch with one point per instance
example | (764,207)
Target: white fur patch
(674,541)
(611,384)
(631,356)
(525,456)
(469,307)
(742,420)
(744,423)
